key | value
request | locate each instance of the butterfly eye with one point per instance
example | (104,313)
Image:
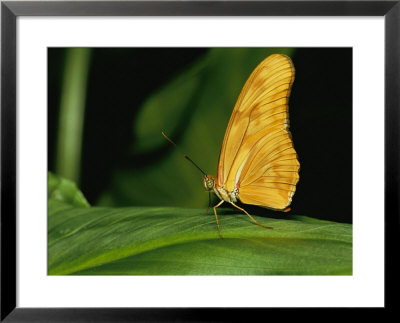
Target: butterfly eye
(208,183)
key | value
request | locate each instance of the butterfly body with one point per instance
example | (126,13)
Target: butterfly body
(211,184)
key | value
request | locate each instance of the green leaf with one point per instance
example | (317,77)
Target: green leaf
(177,241)
(64,190)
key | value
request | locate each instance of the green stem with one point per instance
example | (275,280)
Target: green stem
(72,113)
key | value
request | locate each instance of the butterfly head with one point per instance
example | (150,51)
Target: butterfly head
(209,182)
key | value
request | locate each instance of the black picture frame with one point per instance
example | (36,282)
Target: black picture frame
(11,10)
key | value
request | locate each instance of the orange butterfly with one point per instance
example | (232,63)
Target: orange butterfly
(258,164)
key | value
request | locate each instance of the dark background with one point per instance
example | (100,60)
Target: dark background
(120,80)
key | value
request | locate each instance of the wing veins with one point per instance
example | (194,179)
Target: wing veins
(275,74)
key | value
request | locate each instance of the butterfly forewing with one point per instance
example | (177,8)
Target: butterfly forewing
(257,154)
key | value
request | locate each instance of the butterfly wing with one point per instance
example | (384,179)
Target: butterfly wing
(257,154)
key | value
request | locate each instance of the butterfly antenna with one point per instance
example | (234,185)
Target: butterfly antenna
(184,155)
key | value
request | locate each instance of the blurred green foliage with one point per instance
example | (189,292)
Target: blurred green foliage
(72,112)
(64,190)
(193,109)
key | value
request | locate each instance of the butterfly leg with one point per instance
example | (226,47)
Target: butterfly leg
(254,220)
(209,202)
(216,217)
